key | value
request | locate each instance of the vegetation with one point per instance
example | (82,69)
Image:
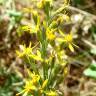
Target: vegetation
(47,48)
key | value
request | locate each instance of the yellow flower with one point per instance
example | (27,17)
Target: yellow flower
(49,34)
(29,28)
(68,39)
(27,88)
(42,3)
(60,57)
(37,56)
(24,50)
(35,77)
(65,70)
(49,31)
(30,84)
(51,93)
(27,51)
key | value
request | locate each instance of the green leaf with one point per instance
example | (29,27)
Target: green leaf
(93,64)
(93,51)
(79,2)
(14,13)
(91,71)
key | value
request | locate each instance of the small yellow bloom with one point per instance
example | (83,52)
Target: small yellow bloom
(37,56)
(35,77)
(42,3)
(49,34)
(27,51)
(27,88)
(68,39)
(29,85)
(65,70)
(60,56)
(51,93)
(26,28)
(24,50)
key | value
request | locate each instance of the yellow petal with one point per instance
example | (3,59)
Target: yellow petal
(38,53)
(51,93)
(61,33)
(65,70)
(71,47)
(44,83)
(60,39)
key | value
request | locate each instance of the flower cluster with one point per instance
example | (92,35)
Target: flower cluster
(47,58)
(35,85)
